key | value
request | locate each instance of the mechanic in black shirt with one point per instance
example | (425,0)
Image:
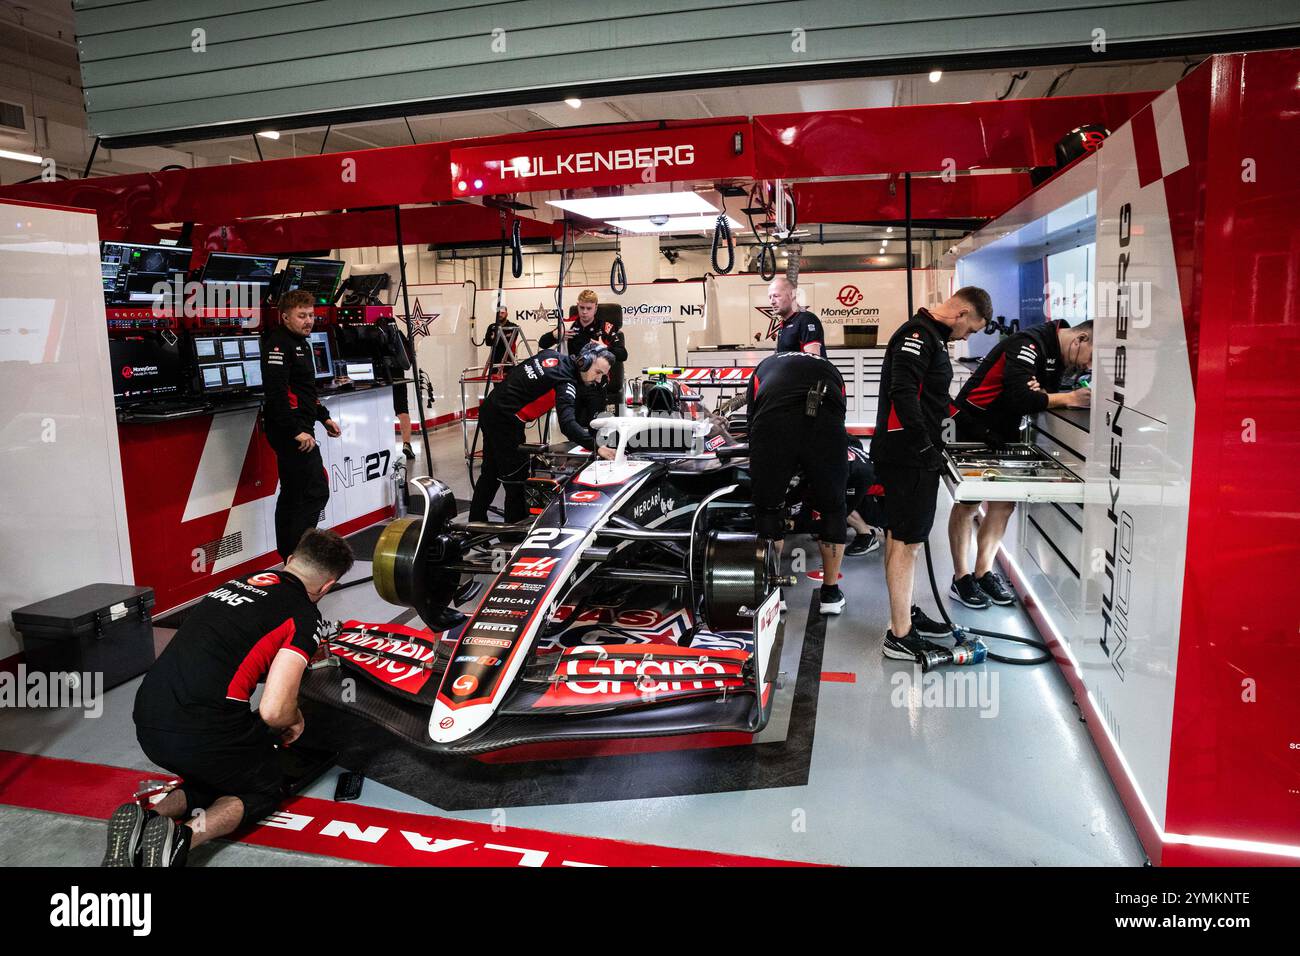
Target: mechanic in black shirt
(1020,376)
(290,411)
(796,421)
(533,387)
(579,332)
(914,403)
(799,331)
(862,496)
(192,712)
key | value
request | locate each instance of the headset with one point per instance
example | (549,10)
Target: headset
(590,352)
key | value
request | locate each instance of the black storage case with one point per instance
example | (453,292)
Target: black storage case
(103,628)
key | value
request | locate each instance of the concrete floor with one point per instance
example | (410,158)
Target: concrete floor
(900,772)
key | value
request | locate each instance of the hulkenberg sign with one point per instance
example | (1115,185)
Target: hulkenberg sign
(688,152)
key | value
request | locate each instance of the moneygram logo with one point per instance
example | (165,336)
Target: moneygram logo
(849,296)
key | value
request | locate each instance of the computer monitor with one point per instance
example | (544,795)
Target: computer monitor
(131,270)
(228,363)
(144,366)
(320,277)
(227,268)
(322,356)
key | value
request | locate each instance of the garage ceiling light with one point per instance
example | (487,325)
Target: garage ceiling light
(675,224)
(635,205)
(21,157)
(269,134)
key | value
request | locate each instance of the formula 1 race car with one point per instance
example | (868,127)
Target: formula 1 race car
(637,602)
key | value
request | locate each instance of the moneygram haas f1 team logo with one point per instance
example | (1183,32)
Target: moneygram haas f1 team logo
(533,567)
(849,296)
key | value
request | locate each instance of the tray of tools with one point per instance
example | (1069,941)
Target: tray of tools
(1017,472)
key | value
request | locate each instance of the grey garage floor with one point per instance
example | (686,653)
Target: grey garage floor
(896,774)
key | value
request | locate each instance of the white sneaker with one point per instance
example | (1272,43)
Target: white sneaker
(780,598)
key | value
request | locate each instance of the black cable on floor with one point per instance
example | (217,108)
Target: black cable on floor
(943,612)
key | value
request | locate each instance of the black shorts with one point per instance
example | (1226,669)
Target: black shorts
(781,445)
(244,765)
(401,401)
(910,497)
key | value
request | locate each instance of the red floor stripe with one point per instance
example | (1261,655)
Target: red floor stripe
(352,831)
(839,677)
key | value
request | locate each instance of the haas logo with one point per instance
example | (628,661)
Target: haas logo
(127,371)
(849,296)
(465,684)
(264,579)
(1092,139)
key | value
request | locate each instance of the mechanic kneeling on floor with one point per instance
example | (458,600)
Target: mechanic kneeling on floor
(1020,376)
(531,389)
(906,449)
(796,422)
(192,716)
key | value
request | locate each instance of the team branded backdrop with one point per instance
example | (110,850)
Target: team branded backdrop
(725,310)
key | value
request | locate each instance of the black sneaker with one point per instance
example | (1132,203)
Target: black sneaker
(863,543)
(927,626)
(991,584)
(165,843)
(125,833)
(909,647)
(408,451)
(832,599)
(968,592)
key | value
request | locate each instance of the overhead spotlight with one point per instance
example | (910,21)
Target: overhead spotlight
(19,157)
(573,101)
(935,75)
(269,134)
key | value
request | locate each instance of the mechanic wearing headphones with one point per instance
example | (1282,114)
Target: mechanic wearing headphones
(914,383)
(531,389)
(290,411)
(581,332)
(1020,376)
(796,421)
(800,331)
(192,713)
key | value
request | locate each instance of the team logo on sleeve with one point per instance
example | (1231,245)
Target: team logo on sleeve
(912,344)
(550,362)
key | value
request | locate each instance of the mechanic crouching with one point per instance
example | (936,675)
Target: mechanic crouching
(531,389)
(192,713)
(796,422)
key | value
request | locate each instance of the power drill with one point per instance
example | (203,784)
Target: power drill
(967,650)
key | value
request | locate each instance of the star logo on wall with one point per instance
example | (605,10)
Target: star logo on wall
(420,322)
(773,319)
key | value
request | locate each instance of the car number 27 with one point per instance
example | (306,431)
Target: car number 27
(552,539)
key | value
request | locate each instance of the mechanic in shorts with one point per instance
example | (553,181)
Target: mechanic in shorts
(907,445)
(796,422)
(192,712)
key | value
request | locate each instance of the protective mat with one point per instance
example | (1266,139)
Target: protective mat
(459,783)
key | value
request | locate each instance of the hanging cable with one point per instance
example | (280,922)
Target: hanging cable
(559,285)
(617,271)
(1014,80)
(516,250)
(721,234)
